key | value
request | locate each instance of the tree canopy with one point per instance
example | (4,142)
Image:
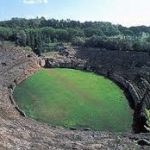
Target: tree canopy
(39,33)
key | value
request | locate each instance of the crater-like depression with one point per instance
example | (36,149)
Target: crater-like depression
(74,99)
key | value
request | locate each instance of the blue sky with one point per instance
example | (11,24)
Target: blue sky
(125,12)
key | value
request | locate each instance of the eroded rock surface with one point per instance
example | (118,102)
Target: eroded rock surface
(21,133)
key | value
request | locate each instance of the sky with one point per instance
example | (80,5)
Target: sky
(124,12)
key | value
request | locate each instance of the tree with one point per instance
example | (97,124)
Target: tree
(5,33)
(21,38)
(79,41)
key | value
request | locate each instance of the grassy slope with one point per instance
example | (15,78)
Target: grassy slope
(74,99)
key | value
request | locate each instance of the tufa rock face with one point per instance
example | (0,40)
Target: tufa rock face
(19,132)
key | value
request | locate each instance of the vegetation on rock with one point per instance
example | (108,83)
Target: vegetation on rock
(147,114)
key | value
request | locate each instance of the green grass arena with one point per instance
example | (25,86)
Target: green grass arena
(72,98)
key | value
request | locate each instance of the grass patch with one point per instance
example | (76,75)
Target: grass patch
(72,98)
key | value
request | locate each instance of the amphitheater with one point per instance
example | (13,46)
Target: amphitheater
(130,70)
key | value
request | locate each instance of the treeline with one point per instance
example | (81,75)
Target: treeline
(116,43)
(41,34)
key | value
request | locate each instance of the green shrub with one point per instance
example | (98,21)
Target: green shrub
(79,41)
(147,126)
